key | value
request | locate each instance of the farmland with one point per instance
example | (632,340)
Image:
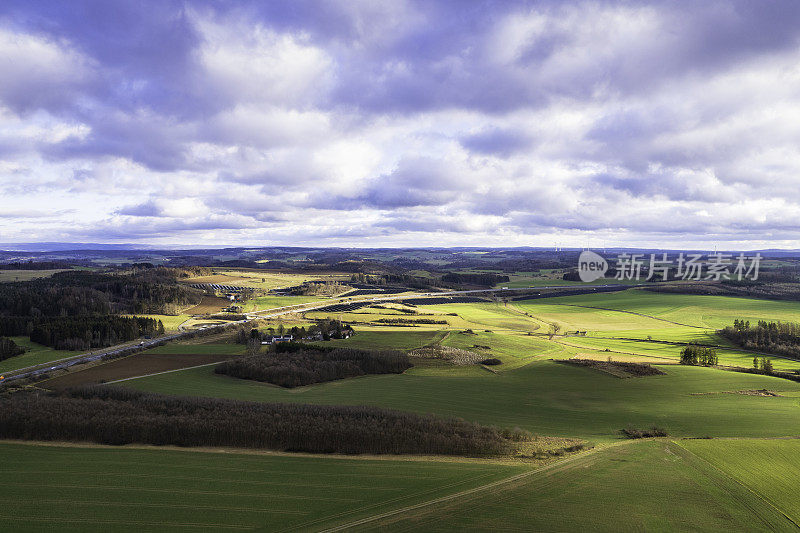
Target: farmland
(704,410)
(75,488)
(539,395)
(26,275)
(665,484)
(140,364)
(263,279)
(542,397)
(636,487)
(769,468)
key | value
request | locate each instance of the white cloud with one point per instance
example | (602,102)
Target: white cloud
(248,62)
(630,122)
(39,71)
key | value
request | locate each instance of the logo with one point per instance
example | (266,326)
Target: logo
(591,266)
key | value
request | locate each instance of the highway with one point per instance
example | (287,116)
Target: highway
(96,355)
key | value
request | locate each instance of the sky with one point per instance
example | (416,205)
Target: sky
(401,123)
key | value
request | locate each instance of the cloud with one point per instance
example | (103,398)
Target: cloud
(40,72)
(400,122)
(182,208)
(244,62)
(495,141)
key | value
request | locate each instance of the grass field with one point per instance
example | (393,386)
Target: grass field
(544,397)
(400,339)
(697,485)
(36,354)
(7,276)
(769,468)
(645,486)
(661,352)
(171,322)
(488,315)
(702,311)
(745,480)
(47,488)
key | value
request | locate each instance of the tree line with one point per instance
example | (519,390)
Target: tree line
(325,329)
(776,337)
(299,365)
(484,279)
(9,348)
(115,416)
(34,265)
(410,321)
(84,333)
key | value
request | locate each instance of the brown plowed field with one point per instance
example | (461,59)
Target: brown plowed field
(133,366)
(209,304)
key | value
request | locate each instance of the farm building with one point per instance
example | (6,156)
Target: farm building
(276,339)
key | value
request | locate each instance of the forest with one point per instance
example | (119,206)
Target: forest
(67,333)
(150,291)
(80,332)
(34,265)
(80,310)
(306,365)
(117,416)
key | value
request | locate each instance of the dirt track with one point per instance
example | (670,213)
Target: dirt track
(135,365)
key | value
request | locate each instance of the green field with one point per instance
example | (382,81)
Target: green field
(36,354)
(398,338)
(697,485)
(702,311)
(171,322)
(544,397)
(48,488)
(744,479)
(769,468)
(660,352)
(645,486)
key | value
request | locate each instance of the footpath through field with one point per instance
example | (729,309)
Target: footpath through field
(582,459)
